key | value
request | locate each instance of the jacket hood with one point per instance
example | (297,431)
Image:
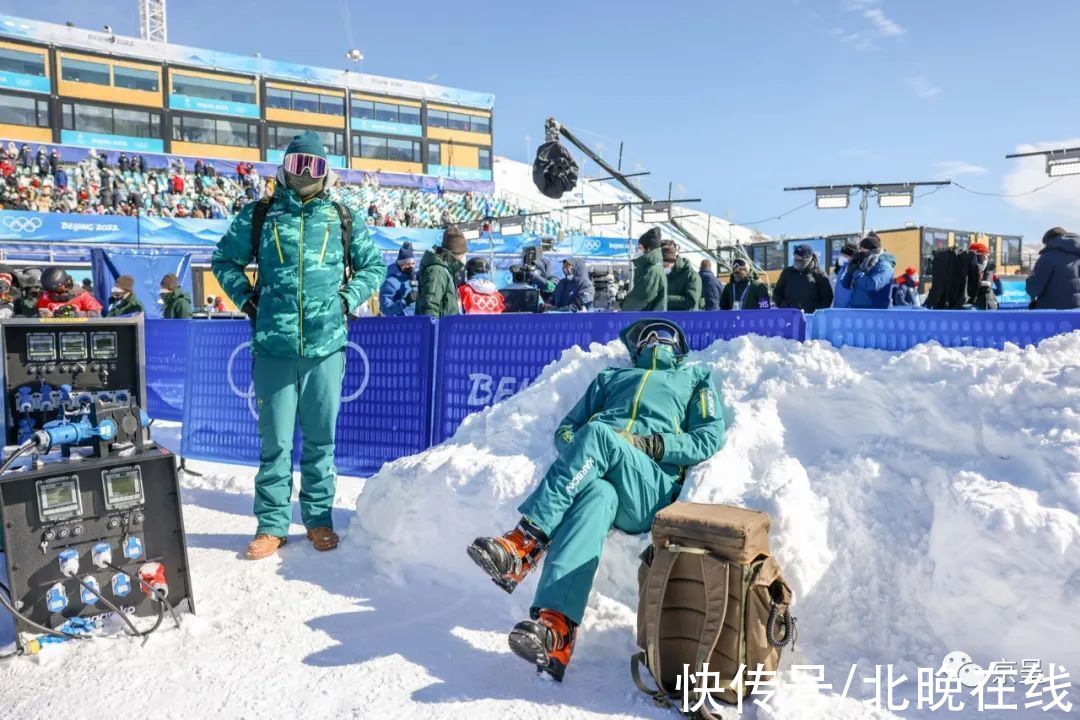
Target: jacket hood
(630,333)
(1069,242)
(580,279)
(482,285)
(652,257)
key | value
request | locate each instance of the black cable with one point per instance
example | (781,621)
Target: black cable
(1006,195)
(154,595)
(108,603)
(19,451)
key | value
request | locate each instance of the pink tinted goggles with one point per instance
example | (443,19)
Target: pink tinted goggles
(299,163)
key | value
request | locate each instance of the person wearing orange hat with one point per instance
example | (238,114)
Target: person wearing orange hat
(906,291)
(980,285)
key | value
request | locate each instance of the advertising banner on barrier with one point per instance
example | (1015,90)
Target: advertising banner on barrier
(904,329)
(166,365)
(66,227)
(385,405)
(482,360)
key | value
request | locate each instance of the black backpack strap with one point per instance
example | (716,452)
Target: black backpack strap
(346,218)
(258,219)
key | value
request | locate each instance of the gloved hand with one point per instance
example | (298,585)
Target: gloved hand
(412,297)
(344,305)
(651,445)
(251,307)
(859,259)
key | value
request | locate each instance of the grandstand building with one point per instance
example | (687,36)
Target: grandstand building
(85,88)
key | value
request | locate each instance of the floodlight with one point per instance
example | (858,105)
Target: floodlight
(657,212)
(511,226)
(895,196)
(604,214)
(1063,163)
(832,198)
(471,231)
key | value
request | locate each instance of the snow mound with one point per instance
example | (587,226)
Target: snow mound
(922,502)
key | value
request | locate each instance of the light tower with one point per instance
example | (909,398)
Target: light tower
(152,23)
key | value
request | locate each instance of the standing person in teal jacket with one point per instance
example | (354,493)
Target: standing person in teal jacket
(649,292)
(623,453)
(298,309)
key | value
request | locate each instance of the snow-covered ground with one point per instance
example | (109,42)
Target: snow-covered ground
(923,502)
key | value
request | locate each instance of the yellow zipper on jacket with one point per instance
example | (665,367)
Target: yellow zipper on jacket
(300,282)
(277,243)
(640,390)
(322,255)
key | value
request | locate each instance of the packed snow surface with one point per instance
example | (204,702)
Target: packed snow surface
(923,503)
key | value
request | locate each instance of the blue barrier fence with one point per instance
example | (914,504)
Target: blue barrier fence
(385,409)
(484,359)
(410,382)
(904,329)
(166,363)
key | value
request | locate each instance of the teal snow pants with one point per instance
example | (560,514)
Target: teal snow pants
(286,388)
(600,481)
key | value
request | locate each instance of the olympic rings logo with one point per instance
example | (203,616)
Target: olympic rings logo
(591,245)
(21,224)
(248,395)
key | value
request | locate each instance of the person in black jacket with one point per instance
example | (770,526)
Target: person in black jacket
(804,285)
(710,287)
(743,292)
(980,280)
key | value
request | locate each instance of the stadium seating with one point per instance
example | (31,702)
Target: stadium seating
(157,192)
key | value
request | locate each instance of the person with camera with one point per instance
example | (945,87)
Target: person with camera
(575,292)
(397,296)
(869,275)
(520,295)
(29,284)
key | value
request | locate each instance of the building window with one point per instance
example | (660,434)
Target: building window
(377,148)
(1012,251)
(305,101)
(459,121)
(768,257)
(135,78)
(215,132)
(385,112)
(24,63)
(279,138)
(23,110)
(225,90)
(434,153)
(84,71)
(485,159)
(962,240)
(993,243)
(111,121)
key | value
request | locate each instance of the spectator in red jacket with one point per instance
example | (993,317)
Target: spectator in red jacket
(478,295)
(60,297)
(177,184)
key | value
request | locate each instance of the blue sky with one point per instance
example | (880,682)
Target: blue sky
(730,100)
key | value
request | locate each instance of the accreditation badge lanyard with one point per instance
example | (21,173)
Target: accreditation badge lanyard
(742,298)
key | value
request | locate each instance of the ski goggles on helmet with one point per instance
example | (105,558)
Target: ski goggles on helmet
(657,334)
(299,163)
(739,263)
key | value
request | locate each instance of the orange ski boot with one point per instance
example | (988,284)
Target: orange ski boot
(508,559)
(546,641)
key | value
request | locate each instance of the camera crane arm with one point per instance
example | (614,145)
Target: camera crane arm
(553,129)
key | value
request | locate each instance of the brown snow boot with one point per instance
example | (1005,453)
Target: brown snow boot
(264,546)
(323,538)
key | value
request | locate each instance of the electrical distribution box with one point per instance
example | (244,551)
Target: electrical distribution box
(81,517)
(54,365)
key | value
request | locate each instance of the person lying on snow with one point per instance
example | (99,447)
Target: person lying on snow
(623,453)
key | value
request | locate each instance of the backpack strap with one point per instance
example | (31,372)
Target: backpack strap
(258,219)
(346,218)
